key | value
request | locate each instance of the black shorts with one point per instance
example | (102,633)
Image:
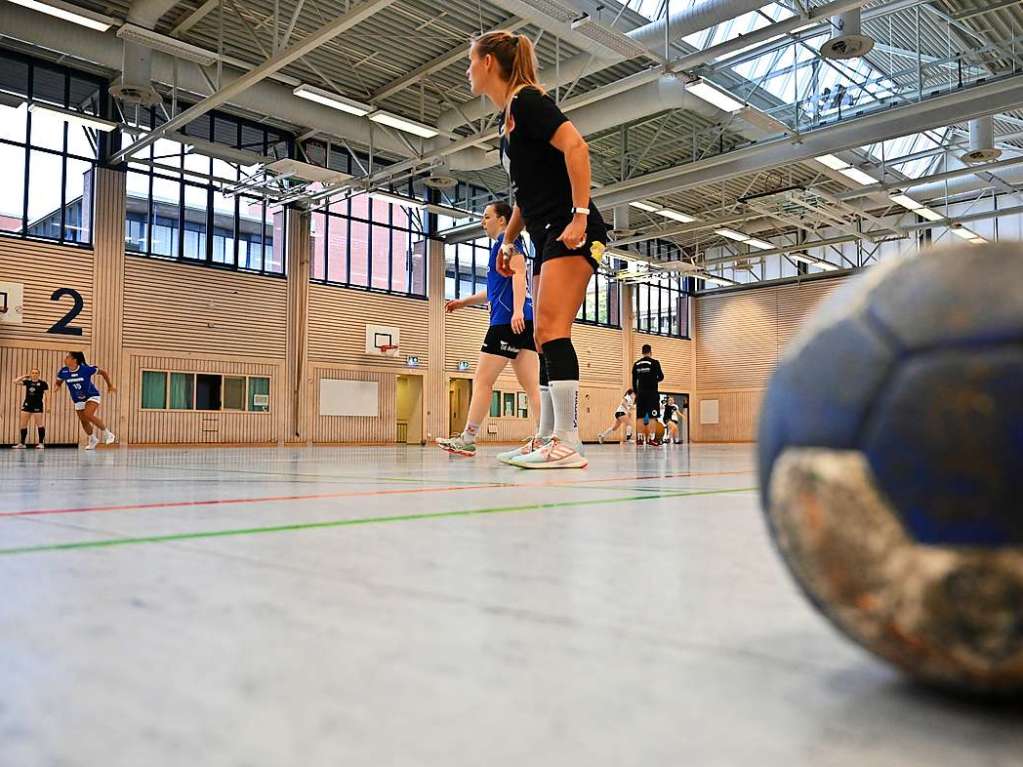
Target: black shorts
(648,405)
(619,414)
(502,341)
(26,408)
(547,246)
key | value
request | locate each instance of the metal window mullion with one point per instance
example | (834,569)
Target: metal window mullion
(390,249)
(348,246)
(369,247)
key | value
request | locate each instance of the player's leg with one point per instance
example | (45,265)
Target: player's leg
(488,368)
(40,421)
(23,421)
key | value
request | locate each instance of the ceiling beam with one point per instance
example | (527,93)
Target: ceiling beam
(443,61)
(341,24)
(934,112)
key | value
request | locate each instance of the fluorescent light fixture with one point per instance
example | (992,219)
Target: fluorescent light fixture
(304,171)
(333,100)
(715,280)
(827,266)
(929,214)
(81,16)
(10,100)
(905,201)
(78,118)
(450,212)
(963,233)
(132,33)
(732,234)
(644,206)
(858,176)
(978,240)
(397,199)
(707,92)
(626,255)
(403,124)
(674,215)
(832,162)
(762,244)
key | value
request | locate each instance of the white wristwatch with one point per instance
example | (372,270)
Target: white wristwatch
(584,211)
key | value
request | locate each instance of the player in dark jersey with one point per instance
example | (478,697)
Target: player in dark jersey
(33,406)
(509,338)
(671,421)
(549,165)
(85,396)
(646,375)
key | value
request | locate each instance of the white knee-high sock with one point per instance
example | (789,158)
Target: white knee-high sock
(566,411)
(546,427)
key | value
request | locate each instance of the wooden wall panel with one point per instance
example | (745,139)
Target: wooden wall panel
(338,319)
(42,268)
(797,302)
(737,339)
(676,358)
(62,426)
(186,308)
(194,427)
(600,356)
(108,282)
(738,412)
(381,429)
(464,332)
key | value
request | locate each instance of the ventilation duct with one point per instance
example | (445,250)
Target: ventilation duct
(982,141)
(136,83)
(622,220)
(847,41)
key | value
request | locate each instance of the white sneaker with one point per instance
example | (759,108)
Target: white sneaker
(110,438)
(18,446)
(40,446)
(533,443)
(600,439)
(554,455)
(93,441)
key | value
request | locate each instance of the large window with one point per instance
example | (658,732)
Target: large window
(602,303)
(178,206)
(465,268)
(48,163)
(661,307)
(204,391)
(366,242)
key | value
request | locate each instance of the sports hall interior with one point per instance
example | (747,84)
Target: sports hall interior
(225,204)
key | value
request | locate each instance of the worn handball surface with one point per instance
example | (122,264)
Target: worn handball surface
(400,606)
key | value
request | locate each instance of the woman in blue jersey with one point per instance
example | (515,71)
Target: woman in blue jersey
(85,396)
(509,338)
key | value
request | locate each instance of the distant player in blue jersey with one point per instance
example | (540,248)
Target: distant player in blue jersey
(510,337)
(85,396)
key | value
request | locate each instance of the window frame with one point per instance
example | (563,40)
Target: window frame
(69,75)
(194,374)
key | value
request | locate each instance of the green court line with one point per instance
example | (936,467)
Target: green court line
(110,542)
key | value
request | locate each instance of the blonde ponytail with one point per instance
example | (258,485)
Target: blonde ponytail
(515,56)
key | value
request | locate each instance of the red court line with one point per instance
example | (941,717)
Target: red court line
(350,494)
(259,499)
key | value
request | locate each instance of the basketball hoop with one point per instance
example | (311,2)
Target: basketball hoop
(388,349)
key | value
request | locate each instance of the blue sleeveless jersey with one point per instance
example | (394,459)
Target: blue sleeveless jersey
(500,291)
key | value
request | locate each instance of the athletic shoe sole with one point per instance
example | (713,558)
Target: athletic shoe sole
(561,464)
(453,451)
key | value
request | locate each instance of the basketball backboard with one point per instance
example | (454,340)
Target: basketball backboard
(12,307)
(382,340)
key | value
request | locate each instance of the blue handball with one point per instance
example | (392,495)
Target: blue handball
(891,463)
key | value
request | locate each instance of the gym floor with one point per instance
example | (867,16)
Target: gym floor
(397,606)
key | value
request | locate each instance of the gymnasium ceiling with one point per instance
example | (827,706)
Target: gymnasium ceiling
(924,53)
